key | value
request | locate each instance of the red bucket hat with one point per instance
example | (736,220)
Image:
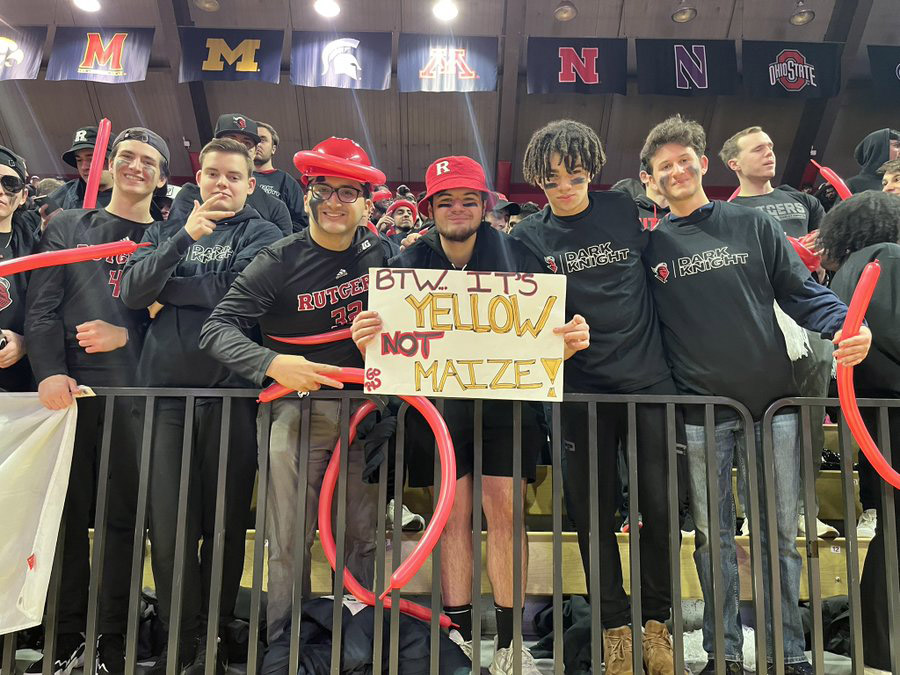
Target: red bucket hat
(404,202)
(449,173)
(340,157)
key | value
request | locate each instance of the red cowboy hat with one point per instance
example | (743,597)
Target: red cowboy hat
(339,157)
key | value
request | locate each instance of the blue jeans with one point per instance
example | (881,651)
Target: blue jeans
(730,438)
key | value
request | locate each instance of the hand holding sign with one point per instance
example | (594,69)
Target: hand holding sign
(577,335)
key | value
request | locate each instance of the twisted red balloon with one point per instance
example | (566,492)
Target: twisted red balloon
(321,339)
(833,180)
(67,256)
(97,164)
(846,392)
(734,194)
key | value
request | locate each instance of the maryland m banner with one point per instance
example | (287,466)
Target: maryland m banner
(110,55)
(230,54)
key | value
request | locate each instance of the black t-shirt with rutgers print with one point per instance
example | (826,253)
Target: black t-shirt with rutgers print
(61,298)
(293,288)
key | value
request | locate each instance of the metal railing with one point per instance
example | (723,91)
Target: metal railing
(387,652)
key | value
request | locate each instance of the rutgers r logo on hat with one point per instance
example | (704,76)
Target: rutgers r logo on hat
(80,136)
(791,71)
(441,168)
(241,122)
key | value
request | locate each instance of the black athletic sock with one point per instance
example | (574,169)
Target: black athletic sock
(504,626)
(462,617)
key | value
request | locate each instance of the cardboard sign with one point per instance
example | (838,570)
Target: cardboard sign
(466,334)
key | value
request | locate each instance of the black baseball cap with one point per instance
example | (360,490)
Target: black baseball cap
(85,138)
(235,123)
(144,135)
(502,204)
(13,161)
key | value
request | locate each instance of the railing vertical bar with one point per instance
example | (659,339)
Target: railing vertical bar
(259,542)
(337,613)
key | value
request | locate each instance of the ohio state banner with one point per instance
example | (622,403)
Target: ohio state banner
(686,67)
(792,69)
(446,63)
(884,62)
(20,52)
(110,55)
(230,54)
(577,65)
(345,60)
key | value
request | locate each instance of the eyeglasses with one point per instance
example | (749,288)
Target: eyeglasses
(12,185)
(346,194)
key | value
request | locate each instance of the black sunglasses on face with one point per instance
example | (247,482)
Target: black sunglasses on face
(12,185)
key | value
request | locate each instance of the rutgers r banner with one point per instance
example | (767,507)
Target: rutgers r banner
(577,66)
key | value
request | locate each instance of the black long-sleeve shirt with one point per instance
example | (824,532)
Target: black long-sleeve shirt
(61,298)
(189,278)
(19,242)
(293,287)
(715,276)
(600,250)
(276,183)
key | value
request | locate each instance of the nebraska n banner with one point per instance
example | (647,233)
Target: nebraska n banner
(108,55)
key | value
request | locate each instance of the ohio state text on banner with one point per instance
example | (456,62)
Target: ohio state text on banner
(230,54)
(577,65)
(446,63)
(686,67)
(792,69)
(467,334)
(884,62)
(110,55)
(345,60)
(20,52)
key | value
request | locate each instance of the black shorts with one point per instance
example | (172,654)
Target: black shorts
(497,440)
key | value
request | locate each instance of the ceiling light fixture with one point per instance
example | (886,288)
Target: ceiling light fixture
(565,10)
(87,5)
(207,5)
(327,8)
(801,15)
(445,10)
(684,13)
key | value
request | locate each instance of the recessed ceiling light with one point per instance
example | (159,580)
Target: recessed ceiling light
(327,8)
(684,13)
(801,15)
(445,10)
(87,5)
(207,5)
(565,10)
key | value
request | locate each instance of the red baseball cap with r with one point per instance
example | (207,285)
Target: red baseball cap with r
(450,173)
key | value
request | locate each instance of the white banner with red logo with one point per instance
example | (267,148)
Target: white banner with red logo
(467,334)
(35,458)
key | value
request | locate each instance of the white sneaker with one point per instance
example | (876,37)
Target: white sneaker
(865,528)
(409,521)
(745,528)
(502,663)
(823,530)
(465,645)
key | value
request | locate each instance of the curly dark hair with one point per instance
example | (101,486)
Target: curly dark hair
(675,129)
(573,141)
(865,219)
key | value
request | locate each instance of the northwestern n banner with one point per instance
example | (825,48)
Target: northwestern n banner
(577,65)
(230,54)
(884,62)
(110,55)
(345,60)
(792,69)
(20,52)
(447,63)
(466,334)
(686,67)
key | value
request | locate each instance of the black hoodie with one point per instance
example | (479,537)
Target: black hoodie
(60,298)
(281,185)
(649,211)
(872,151)
(70,195)
(879,374)
(189,278)
(22,241)
(269,208)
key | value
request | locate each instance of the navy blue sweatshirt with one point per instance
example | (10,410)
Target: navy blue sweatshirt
(189,278)
(60,298)
(715,276)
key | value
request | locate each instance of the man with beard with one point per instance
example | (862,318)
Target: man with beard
(400,219)
(461,239)
(80,332)
(275,182)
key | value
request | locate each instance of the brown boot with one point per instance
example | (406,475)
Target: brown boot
(617,653)
(659,658)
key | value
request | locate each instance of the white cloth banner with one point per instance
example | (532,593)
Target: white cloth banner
(35,457)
